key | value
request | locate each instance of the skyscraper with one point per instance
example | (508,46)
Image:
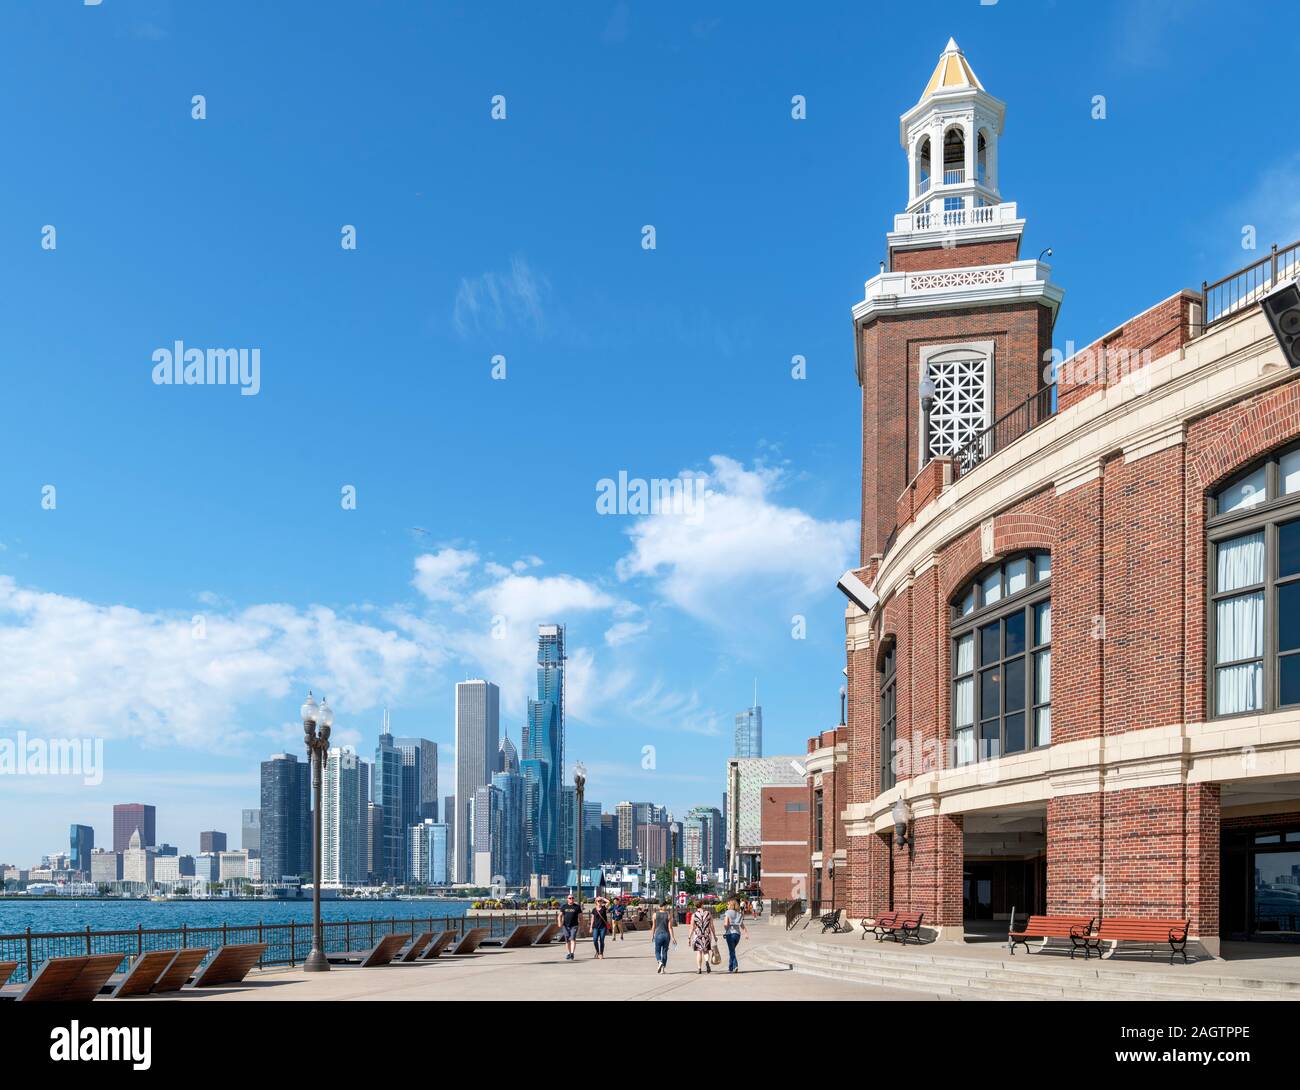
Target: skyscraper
(250,835)
(488,812)
(127,818)
(286,818)
(510,783)
(81,842)
(478,715)
(342,847)
(386,790)
(702,845)
(212,841)
(428,853)
(419,779)
(542,757)
(749,731)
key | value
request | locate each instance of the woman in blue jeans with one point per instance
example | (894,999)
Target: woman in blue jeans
(733,925)
(663,935)
(600,926)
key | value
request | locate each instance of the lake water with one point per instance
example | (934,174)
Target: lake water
(49,914)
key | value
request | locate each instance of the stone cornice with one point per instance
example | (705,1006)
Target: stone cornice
(1240,749)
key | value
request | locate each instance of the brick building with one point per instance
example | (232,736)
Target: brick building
(783,851)
(827,791)
(1077,690)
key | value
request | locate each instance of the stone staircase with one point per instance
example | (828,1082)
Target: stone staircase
(1050,976)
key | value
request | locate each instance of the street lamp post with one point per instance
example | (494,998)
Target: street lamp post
(673,861)
(579,784)
(316,716)
(926,390)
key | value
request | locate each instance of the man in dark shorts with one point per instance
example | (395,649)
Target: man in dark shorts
(618,911)
(570,920)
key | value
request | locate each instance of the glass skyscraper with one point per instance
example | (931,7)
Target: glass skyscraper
(286,818)
(81,842)
(749,732)
(386,791)
(343,855)
(542,757)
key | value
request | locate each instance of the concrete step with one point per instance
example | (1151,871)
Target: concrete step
(919,971)
(1058,967)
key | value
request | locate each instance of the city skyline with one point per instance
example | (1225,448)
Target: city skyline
(390,602)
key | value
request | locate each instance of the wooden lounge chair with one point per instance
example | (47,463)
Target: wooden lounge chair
(522,935)
(415,947)
(1050,927)
(438,945)
(548,933)
(473,937)
(230,965)
(143,974)
(65,980)
(7,970)
(380,954)
(178,973)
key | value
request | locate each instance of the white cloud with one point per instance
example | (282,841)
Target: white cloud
(441,576)
(494,301)
(117,672)
(624,631)
(737,551)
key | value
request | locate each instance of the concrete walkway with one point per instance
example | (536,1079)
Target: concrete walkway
(541,973)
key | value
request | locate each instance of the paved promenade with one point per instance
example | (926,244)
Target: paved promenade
(541,973)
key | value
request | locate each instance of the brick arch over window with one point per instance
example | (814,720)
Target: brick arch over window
(1030,527)
(1242,435)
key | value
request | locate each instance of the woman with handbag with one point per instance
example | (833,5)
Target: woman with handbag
(733,924)
(704,939)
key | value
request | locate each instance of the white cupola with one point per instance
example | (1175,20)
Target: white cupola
(951,140)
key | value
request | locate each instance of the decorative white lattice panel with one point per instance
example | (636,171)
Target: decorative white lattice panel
(960,409)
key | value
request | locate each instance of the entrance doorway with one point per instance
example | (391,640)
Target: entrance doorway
(1259,883)
(1004,866)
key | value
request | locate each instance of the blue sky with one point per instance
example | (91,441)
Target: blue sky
(475,514)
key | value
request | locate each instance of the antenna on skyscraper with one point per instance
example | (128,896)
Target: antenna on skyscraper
(384,729)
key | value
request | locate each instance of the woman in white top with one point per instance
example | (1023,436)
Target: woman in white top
(733,926)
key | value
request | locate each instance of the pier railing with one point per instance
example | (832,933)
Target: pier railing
(287,943)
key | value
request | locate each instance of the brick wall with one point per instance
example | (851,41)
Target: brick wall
(785,835)
(956,257)
(1106,361)
(891,350)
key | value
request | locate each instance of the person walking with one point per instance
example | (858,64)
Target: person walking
(617,912)
(733,926)
(703,938)
(570,920)
(599,926)
(663,935)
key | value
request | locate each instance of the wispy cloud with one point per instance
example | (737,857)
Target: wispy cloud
(494,301)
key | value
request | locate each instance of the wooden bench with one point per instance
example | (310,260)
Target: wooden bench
(898,926)
(548,933)
(7,970)
(1050,927)
(1119,929)
(872,925)
(830,921)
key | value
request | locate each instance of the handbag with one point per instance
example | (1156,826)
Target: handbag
(716,956)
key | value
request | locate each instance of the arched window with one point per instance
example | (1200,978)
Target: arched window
(1002,660)
(1254,588)
(923,165)
(954,156)
(963,397)
(888,715)
(981,157)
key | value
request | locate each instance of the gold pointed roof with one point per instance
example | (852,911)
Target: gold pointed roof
(952,73)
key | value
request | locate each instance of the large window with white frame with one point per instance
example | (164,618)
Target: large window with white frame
(1002,660)
(1253,531)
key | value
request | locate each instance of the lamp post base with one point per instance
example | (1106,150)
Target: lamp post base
(315,962)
